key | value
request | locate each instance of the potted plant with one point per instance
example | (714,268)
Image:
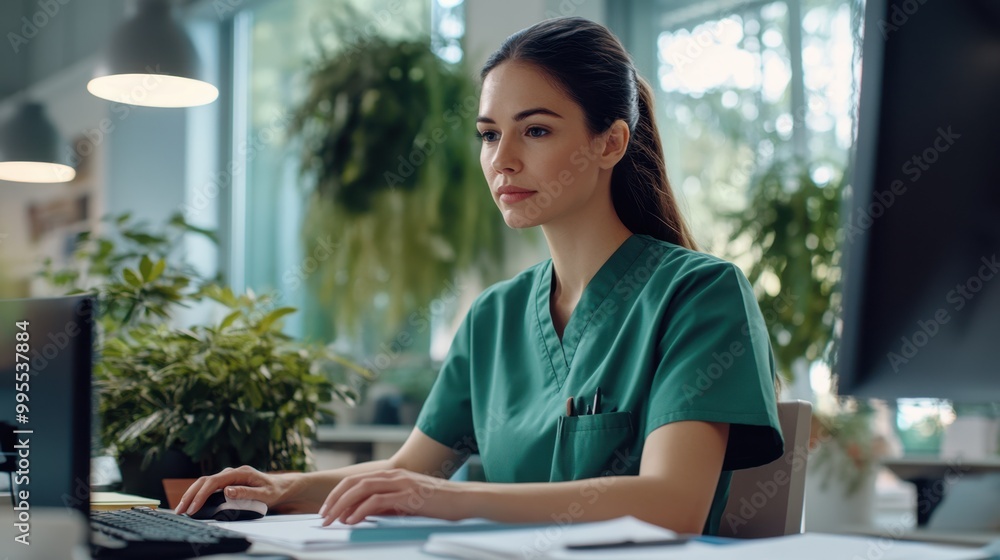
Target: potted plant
(199,398)
(846,451)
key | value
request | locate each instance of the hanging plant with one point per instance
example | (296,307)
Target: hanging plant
(390,153)
(793,225)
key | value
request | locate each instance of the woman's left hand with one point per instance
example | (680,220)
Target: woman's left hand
(392,492)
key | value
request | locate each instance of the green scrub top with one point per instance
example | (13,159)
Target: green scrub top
(668,334)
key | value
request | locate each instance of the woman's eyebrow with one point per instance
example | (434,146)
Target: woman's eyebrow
(523,115)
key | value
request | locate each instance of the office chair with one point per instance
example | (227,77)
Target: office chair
(766,501)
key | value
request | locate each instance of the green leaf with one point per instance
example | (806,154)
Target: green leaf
(65,278)
(144,239)
(270,318)
(146,267)
(229,319)
(178,221)
(131,277)
(138,428)
(158,269)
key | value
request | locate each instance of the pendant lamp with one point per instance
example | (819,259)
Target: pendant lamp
(152,62)
(31,149)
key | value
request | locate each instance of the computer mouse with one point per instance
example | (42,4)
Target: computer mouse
(221,508)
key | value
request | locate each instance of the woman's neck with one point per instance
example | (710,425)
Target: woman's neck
(579,246)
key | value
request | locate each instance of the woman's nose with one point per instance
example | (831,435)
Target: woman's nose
(506,159)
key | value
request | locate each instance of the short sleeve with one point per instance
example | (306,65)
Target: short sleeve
(716,364)
(446,416)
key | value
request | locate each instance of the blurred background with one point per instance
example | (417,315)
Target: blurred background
(338,174)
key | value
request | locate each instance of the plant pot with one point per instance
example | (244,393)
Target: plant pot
(831,506)
(149,482)
(175,489)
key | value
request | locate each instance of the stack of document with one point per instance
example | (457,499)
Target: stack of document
(631,539)
(104,501)
(602,539)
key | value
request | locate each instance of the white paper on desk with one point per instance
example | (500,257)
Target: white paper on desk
(546,542)
(537,543)
(304,532)
(817,546)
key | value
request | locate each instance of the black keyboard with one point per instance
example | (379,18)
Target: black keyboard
(148,533)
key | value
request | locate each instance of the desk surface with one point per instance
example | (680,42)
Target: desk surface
(915,466)
(956,538)
(373,552)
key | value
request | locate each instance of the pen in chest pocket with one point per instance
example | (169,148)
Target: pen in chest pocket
(587,409)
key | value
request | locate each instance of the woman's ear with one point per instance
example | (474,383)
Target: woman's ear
(615,144)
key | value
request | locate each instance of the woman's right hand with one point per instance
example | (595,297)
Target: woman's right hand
(245,483)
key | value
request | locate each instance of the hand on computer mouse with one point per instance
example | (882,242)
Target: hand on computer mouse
(221,508)
(243,483)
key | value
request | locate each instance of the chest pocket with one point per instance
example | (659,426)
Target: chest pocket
(593,445)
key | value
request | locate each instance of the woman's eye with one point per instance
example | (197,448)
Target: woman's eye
(536,132)
(487,136)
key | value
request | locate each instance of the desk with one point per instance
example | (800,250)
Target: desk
(932,466)
(374,552)
(968,538)
(931,475)
(412,551)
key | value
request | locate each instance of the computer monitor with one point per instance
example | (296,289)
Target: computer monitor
(922,232)
(46,356)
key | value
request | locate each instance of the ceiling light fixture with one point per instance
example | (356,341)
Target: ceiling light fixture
(30,148)
(152,62)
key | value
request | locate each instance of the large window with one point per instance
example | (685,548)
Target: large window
(275,42)
(742,84)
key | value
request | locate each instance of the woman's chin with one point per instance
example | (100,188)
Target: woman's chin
(516,220)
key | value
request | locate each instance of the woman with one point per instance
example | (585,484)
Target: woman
(671,339)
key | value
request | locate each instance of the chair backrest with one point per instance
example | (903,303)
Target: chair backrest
(766,501)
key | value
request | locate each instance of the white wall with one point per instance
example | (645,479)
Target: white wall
(147,161)
(489,22)
(47,56)
(75,113)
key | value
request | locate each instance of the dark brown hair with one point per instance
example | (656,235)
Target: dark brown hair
(589,63)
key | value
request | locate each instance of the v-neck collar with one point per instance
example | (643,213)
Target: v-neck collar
(561,352)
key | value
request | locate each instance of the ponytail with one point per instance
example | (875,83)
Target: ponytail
(594,70)
(640,189)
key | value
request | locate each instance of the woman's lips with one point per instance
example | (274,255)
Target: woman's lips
(510,194)
(512,197)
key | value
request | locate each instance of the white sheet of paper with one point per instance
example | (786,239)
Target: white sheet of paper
(542,542)
(818,546)
(814,546)
(303,532)
(549,543)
